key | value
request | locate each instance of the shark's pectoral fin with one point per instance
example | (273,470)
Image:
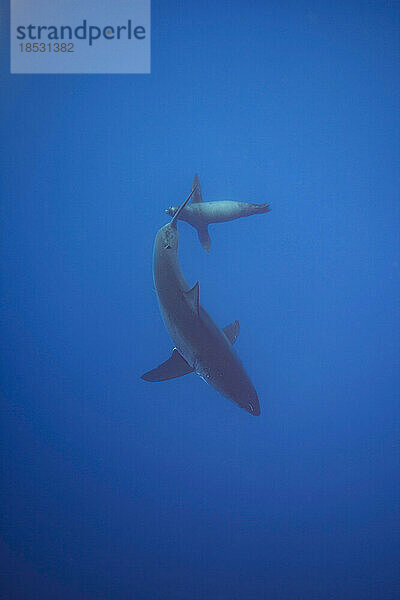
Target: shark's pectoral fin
(204,237)
(175,366)
(193,296)
(232,331)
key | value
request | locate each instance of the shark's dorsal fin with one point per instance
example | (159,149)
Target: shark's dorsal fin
(232,331)
(193,296)
(197,190)
(175,366)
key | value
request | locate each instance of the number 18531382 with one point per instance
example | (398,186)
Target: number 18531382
(47,47)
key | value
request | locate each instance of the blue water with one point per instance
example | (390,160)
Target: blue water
(113,488)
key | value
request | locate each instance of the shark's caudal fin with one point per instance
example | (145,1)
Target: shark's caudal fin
(204,237)
(232,331)
(197,189)
(175,366)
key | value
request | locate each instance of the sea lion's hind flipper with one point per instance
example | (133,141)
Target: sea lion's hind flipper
(257,209)
(175,366)
(204,237)
(232,331)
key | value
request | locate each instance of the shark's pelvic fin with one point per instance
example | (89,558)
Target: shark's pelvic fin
(196,186)
(175,366)
(193,296)
(204,237)
(232,331)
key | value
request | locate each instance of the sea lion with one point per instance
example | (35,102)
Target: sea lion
(200,214)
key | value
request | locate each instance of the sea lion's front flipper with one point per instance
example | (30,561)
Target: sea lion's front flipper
(175,366)
(232,331)
(204,237)
(197,190)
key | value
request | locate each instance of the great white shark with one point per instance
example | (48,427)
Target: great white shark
(200,345)
(200,214)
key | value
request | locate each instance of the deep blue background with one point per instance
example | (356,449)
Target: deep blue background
(117,489)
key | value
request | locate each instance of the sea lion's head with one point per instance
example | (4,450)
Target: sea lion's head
(172,210)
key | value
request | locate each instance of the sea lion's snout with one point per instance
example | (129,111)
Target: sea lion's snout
(172,210)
